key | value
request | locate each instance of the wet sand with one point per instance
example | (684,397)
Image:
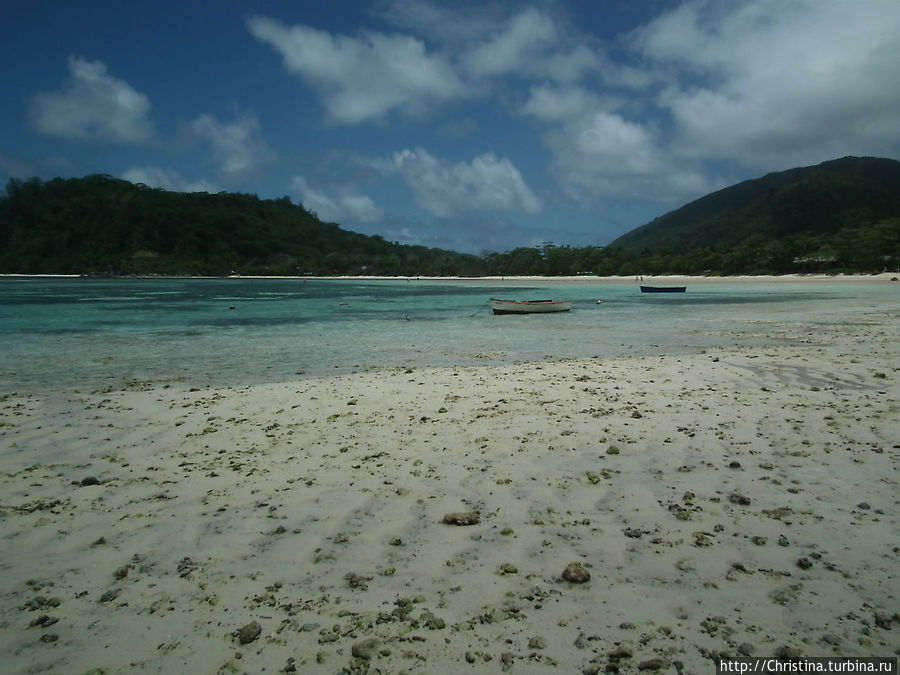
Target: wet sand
(577,516)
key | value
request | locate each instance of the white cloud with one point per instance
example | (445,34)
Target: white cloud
(533,45)
(752,85)
(239,147)
(92,106)
(341,205)
(602,155)
(770,84)
(167,179)
(365,78)
(368,77)
(441,22)
(554,105)
(487,41)
(764,85)
(514,48)
(599,154)
(445,189)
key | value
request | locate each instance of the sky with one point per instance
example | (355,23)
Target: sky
(473,126)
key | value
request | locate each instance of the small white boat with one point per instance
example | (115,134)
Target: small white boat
(529,306)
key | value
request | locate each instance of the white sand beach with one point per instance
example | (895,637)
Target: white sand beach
(592,280)
(741,501)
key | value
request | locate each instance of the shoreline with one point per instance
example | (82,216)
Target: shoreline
(557,280)
(742,501)
(229,338)
(589,280)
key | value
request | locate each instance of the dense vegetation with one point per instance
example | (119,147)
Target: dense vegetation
(866,249)
(840,216)
(102,225)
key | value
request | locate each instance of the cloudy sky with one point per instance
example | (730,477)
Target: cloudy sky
(475,126)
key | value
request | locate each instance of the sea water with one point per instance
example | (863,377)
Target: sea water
(93,333)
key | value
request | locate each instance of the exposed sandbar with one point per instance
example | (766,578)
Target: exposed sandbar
(741,501)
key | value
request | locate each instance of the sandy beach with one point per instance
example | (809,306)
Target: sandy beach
(580,516)
(592,280)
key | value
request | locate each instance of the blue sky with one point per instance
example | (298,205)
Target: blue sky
(473,126)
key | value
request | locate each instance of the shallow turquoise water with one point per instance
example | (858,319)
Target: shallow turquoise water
(90,333)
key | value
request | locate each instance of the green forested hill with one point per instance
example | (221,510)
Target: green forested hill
(103,225)
(840,216)
(815,202)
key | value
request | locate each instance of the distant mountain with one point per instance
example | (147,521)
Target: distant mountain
(815,201)
(103,225)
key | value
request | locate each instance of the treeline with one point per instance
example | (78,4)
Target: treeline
(103,225)
(871,249)
(842,210)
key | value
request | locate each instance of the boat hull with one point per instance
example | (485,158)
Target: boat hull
(530,306)
(663,289)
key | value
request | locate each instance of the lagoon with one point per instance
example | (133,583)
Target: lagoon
(92,333)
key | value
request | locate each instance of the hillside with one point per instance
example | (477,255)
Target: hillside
(839,216)
(818,201)
(103,225)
